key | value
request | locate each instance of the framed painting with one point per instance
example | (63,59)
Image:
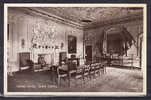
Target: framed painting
(72,44)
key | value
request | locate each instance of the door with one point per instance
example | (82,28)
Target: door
(88,53)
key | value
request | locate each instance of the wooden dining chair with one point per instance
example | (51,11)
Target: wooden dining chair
(62,74)
(53,74)
(92,71)
(103,69)
(71,74)
(72,68)
(86,71)
(92,75)
(97,69)
(79,76)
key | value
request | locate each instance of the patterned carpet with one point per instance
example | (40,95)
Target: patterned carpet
(115,80)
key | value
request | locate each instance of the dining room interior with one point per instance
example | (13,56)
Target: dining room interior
(75,49)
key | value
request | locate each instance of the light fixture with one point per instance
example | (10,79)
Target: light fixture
(23,43)
(86,20)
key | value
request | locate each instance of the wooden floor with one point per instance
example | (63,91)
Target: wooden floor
(115,80)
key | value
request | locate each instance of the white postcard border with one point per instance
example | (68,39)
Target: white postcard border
(144,61)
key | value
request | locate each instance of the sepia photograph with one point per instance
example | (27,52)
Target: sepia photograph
(75,49)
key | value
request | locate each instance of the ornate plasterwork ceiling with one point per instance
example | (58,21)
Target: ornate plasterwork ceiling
(95,14)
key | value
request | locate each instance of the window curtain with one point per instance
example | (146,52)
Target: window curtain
(126,42)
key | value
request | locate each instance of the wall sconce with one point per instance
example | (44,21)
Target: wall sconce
(23,43)
(56,47)
(62,45)
(46,46)
(34,45)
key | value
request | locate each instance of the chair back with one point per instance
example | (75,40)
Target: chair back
(79,72)
(86,68)
(72,66)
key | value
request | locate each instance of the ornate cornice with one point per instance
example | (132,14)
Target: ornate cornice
(52,17)
(115,21)
(57,19)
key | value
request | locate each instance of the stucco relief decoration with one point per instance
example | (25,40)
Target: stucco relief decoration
(43,34)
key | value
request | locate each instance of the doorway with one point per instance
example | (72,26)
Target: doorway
(88,54)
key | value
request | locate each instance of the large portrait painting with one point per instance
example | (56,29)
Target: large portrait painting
(72,41)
